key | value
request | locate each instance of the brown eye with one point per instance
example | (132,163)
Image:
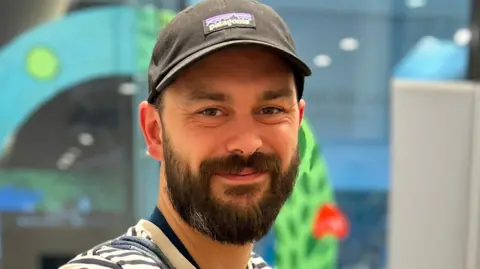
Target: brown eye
(211,112)
(271,110)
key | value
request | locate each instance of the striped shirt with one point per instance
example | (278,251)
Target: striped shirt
(107,257)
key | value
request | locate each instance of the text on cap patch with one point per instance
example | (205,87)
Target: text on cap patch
(228,20)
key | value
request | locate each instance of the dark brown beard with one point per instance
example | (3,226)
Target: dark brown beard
(228,223)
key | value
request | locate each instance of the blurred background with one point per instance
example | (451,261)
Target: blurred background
(73,168)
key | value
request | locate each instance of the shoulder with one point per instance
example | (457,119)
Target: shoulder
(258,262)
(105,256)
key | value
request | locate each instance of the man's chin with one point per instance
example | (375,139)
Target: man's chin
(242,200)
(235,220)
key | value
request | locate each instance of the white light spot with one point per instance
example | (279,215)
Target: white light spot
(8,143)
(68,158)
(86,139)
(415,3)
(127,88)
(322,60)
(462,36)
(63,164)
(348,44)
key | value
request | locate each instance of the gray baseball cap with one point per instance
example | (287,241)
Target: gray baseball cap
(212,25)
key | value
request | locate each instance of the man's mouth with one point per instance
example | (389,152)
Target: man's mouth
(246,175)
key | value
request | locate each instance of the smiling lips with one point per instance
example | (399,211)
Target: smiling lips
(246,175)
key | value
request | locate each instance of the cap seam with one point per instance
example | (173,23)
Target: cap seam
(225,33)
(193,51)
(180,59)
(165,73)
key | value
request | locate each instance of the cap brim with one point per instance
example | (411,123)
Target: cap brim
(298,65)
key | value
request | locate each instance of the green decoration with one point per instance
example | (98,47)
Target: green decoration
(42,63)
(150,21)
(295,246)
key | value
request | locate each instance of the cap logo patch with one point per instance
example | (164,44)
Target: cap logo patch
(228,20)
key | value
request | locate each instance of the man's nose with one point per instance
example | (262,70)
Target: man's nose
(244,140)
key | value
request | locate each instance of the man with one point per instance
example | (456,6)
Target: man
(222,116)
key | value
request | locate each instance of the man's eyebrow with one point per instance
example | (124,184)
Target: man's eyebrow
(280,93)
(205,95)
(196,94)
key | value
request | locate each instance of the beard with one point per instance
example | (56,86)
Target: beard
(226,222)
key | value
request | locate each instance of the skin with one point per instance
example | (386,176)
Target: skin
(236,101)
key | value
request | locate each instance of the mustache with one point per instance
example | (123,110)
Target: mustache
(234,164)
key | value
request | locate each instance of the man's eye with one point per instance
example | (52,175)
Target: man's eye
(271,110)
(211,112)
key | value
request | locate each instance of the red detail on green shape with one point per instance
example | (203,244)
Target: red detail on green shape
(330,220)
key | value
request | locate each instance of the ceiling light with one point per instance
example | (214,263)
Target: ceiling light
(348,44)
(462,36)
(127,88)
(86,139)
(65,162)
(322,60)
(415,3)
(68,158)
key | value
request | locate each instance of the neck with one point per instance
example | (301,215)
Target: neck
(201,247)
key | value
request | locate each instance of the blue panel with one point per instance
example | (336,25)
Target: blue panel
(15,199)
(409,31)
(345,100)
(434,59)
(86,45)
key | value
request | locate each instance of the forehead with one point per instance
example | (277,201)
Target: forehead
(239,67)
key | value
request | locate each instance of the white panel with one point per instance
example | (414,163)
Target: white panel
(431,169)
(473,238)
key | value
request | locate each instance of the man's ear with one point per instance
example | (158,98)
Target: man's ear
(301,110)
(151,126)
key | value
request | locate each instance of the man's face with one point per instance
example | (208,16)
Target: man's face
(227,139)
